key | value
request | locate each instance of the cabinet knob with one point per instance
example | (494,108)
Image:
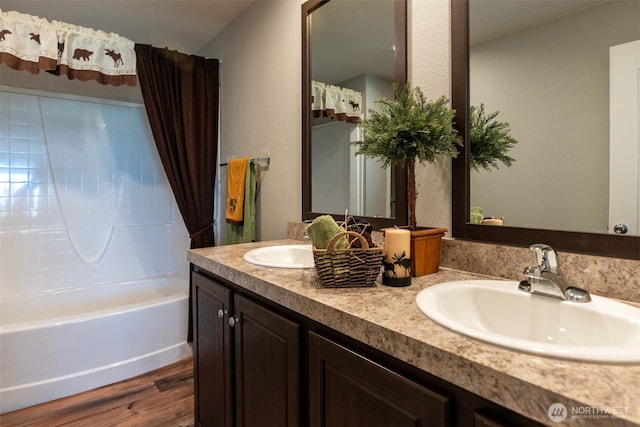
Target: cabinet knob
(221,313)
(620,229)
(233,321)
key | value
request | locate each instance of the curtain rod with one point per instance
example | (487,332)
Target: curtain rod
(267,160)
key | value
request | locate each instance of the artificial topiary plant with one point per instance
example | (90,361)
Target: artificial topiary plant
(490,140)
(406,129)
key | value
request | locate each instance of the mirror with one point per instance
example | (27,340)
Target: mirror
(341,53)
(575,218)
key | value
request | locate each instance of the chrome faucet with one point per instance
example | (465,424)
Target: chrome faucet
(546,279)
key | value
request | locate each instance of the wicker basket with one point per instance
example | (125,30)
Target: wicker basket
(348,268)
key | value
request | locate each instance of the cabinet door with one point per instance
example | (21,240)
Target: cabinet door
(347,390)
(212,353)
(267,367)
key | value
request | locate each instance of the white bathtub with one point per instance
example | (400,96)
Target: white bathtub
(62,343)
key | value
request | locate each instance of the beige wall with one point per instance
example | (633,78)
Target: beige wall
(429,60)
(261,102)
(261,105)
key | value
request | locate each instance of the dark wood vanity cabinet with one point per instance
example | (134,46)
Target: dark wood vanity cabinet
(246,360)
(259,364)
(346,389)
(212,349)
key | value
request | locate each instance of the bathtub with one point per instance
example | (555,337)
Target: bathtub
(61,343)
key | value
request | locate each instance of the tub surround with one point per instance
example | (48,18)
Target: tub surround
(388,319)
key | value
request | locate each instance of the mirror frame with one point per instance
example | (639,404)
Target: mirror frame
(401,217)
(611,245)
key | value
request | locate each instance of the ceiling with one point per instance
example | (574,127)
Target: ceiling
(182,25)
(343,45)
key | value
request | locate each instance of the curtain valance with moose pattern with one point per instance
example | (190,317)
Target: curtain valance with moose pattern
(31,43)
(335,102)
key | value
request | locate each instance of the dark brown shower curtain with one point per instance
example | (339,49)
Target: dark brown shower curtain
(181,95)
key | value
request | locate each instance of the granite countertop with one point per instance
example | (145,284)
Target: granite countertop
(389,320)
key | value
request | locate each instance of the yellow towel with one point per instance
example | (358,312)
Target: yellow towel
(236,170)
(246,232)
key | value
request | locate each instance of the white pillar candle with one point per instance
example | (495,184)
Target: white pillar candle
(397,253)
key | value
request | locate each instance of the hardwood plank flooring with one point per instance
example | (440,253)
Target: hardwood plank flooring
(161,398)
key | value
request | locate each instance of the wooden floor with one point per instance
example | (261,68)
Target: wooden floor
(159,398)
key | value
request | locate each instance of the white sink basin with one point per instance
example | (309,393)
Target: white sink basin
(494,311)
(281,256)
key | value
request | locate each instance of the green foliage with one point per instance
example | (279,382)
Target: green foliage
(490,140)
(409,128)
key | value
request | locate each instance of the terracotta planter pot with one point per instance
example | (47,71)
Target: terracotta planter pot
(425,250)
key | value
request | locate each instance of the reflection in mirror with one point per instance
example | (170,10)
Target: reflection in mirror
(346,67)
(550,78)
(546,67)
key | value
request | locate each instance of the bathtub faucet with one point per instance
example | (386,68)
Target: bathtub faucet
(546,278)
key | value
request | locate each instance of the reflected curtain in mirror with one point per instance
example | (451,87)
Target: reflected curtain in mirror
(335,102)
(346,67)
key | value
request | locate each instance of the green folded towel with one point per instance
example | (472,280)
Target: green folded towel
(322,229)
(476,215)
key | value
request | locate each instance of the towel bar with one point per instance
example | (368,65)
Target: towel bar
(267,160)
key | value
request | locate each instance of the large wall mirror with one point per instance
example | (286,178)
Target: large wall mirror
(352,53)
(564,75)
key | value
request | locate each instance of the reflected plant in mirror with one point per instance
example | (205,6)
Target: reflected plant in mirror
(564,76)
(491,140)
